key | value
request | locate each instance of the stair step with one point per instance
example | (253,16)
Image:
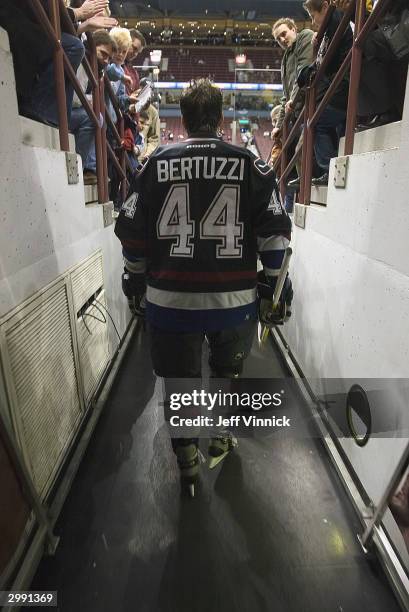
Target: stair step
(36,134)
(377,139)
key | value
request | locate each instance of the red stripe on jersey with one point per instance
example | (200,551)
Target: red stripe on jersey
(133,244)
(204,277)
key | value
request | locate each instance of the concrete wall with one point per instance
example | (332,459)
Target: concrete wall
(45,226)
(350,272)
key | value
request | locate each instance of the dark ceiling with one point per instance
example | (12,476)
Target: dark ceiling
(235,9)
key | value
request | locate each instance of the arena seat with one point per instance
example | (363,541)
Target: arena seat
(185,63)
(263,143)
(174,126)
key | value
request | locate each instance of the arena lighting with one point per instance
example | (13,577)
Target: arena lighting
(156,56)
(241,59)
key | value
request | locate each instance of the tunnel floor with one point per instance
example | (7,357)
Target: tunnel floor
(269,530)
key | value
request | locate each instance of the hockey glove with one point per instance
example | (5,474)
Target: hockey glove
(269,315)
(134,289)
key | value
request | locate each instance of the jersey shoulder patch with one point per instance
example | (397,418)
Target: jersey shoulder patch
(262,167)
(275,205)
(129,206)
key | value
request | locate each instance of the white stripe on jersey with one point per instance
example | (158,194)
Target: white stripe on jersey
(200,301)
(271,271)
(136,267)
(272,243)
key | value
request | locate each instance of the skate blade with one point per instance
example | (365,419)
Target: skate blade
(202,458)
(214,461)
(262,333)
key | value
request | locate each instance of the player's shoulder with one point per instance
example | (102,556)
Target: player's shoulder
(234,149)
(261,167)
(258,165)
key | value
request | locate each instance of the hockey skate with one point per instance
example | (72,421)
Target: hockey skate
(188,462)
(220,447)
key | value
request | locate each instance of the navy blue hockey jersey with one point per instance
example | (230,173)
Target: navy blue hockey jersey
(196,216)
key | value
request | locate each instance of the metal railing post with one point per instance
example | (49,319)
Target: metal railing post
(104,139)
(390,490)
(59,77)
(283,179)
(122,157)
(98,131)
(355,77)
(309,146)
(304,148)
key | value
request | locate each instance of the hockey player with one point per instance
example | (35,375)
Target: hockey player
(196,216)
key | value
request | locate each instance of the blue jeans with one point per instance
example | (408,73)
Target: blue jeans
(84,131)
(289,202)
(327,131)
(43,101)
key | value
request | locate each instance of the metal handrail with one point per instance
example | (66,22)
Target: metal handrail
(363,26)
(51,26)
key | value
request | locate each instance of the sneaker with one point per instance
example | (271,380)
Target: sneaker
(188,462)
(322,181)
(374,121)
(219,448)
(90,178)
(294,184)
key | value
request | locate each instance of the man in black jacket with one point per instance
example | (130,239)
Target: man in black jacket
(332,121)
(33,53)
(384,66)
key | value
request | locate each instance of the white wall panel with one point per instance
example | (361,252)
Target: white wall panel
(350,272)
(45,227)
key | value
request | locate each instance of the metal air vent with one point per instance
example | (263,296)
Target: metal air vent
(39,364)
(93,345)
(87,279)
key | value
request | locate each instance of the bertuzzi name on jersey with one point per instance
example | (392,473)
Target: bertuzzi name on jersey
(200,167)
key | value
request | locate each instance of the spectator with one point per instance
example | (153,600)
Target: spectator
(81,125)
(137,45)
(384,69)
(277,144)
(33,55)
(298,53)
(115,70)
(91,15)
(133,141)
(149,126)
(332,121)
